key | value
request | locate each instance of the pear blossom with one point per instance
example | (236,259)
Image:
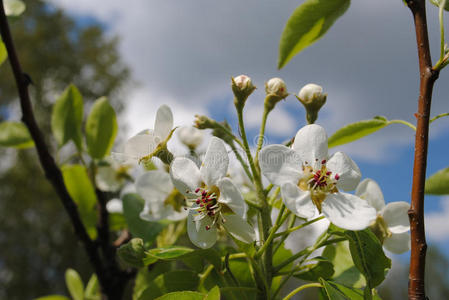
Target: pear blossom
(190,136)
(162,200)
(276,86)
(111,176)
(115,205)
(310,180)
(392,224)
(215,200)
(145,142)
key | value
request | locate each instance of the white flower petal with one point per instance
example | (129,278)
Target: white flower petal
(280,164)
(239,228)
(298,201)
(114,206)
(349,173)
(154,212)
(198,234)
(139,146)
(311,145)
(395,215)
(149,214)
(348,211)
(215,163)
(185,176)
(163,123)
(398,243)
(370,191)
(231,196)
(154,185)
(106,179)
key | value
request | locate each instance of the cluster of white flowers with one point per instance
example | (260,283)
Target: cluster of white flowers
(311,182)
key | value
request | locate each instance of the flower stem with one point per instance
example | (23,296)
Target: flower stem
(402,122)
(440,17)
(438,116)
(290,230)
(302,287)
(266,111)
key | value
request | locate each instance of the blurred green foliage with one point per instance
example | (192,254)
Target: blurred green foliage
(37,243)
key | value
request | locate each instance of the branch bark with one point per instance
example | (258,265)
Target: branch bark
(428,76)
(112,280)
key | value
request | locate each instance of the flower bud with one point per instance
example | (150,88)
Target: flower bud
(242,87)
(222,134)
(276,86)
(312,97)
(190,136)
(132,253)
(276,90)
(203,122)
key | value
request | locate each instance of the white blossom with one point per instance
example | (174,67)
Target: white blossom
(392,224)
(311,180)
(145,142)
(215,200)
(162,200)
(190,136)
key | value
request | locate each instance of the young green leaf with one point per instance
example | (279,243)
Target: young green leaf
(173,281)
(74,284)
(132,207)
(356,131)
(320,267)
(53,297)
(438,183)
(15,134)
(344,270)
(368,256)
(101,128)
(171,252)
(67,117)
(92,289)
(186,295)
(308,23)
(213,294)
(82,192)
(3,53)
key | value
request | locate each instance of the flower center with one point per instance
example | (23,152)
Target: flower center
(380,229)
(207,205)
(319,182)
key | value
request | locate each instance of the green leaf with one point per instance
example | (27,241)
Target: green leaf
(182,296)
(368,256)
(145,277)
(53,297)
(335,291)
(3,53)
(438,183)
(83,194)
(320,268)
(67,117)
(345,271)
(92,289)
(308,23)
(15,134)
(356,131)
(101,128)
(213,294)
(170,252)
(74,284)
(132,206)
(281,255)
(14,8)
(181,280)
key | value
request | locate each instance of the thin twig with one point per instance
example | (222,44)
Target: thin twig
(416,212)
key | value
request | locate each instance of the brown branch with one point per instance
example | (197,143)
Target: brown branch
(416,213)
(112,279)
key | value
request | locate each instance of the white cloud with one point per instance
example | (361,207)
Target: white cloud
(436,222)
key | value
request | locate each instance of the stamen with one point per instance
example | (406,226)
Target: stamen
(323,162)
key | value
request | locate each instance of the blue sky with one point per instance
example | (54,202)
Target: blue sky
(183,54)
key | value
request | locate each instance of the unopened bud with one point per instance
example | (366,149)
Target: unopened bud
(132,253)
(203,122)
(222,134)
(190,136)
(312,97)
(242,87)
(276,90)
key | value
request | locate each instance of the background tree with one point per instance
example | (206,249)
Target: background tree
(37,242)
